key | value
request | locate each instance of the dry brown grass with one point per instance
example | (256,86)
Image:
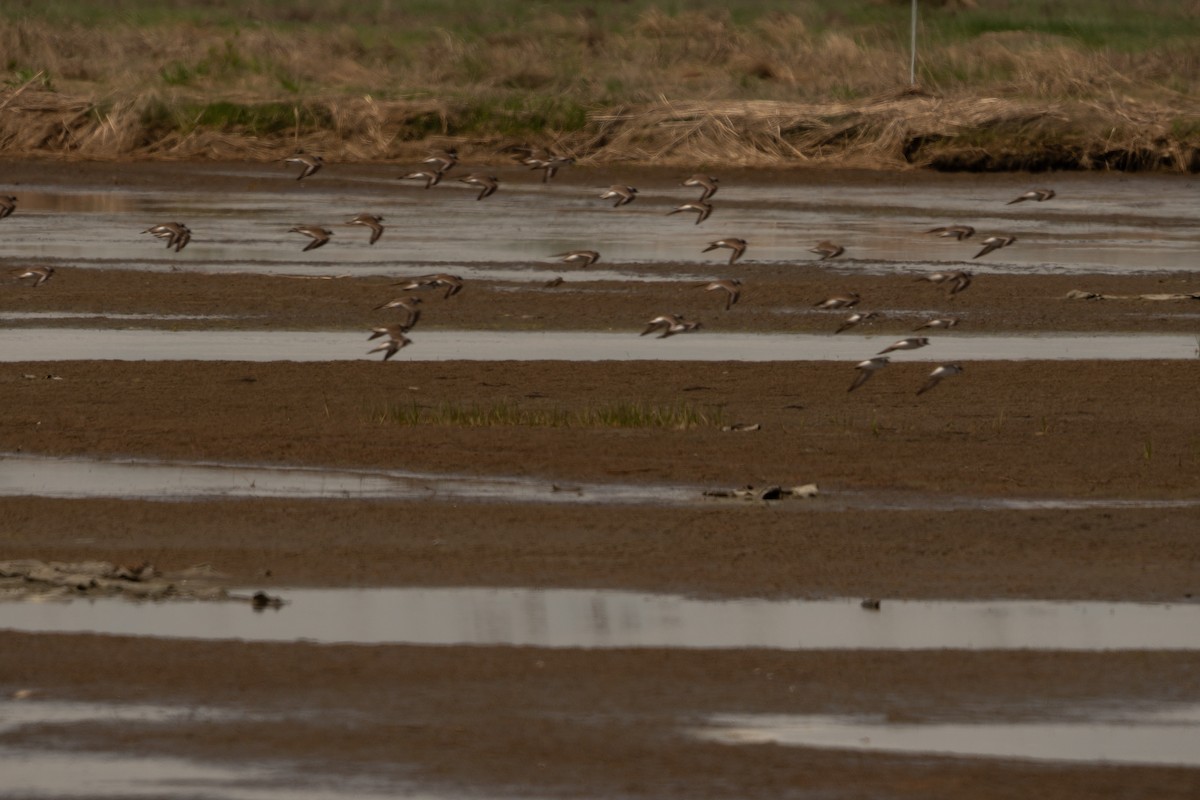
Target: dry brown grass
(688,88)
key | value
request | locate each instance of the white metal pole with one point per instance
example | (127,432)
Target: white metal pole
(912,69)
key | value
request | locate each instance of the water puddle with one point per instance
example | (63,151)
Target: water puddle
(1171,737)
(581,618)
(157,480)
(16,714)
(527,223)
(32,774)
(143,479)
(22,316)
(68,344)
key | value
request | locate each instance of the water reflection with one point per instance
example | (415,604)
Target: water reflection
(61,344)
(1171,737)
(606,619)
(1096,224)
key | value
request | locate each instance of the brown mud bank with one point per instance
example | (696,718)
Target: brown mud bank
(913,489)
(525,722)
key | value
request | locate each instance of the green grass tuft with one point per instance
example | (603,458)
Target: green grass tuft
(677,416)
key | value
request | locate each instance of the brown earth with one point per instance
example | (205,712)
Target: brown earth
(609,723)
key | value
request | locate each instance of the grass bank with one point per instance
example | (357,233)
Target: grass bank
(1013,85)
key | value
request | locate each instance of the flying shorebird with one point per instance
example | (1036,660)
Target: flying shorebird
(409,305)
(487,183)
(39,274)
(957,232)
(371,221)
(549,166)
(701,209)
(176,234)
(839,301)
(453,283)
(994,243)
(866,369)
(854,319)
(707,184)
(319,235)
(432,177)
(1033,194)
(731,286)
(8,204)
(396,341)
(911,343)
(443,161)
(584,258)
(737,246)
(958,280)
(310,163)
(623,194)
(935,377)
(670,324)
(941,322)
(827,249)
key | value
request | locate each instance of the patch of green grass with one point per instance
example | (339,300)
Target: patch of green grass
(614,415)
(19,76)
(254,119)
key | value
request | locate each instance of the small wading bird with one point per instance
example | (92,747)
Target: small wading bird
(911,343)
(487,183)
(409,306)
(39,274)
(320,236)
(958,280)
(731,286)
(176,234)
(549,166)
(432,177)
(310,163)
(443,161)
(396,340)
(839,301)
(941,322)
(1039,195)
(866,369)
(935,377)
(994,243)
(956,232)
(584,258)
(827,249)
(372,221)
(8,204)
(624,195)
(453,283)
(855,319)
(670,324)
(736,246)
(706,183)
(700,208)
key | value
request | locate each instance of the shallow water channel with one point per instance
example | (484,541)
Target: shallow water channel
(64,344)
(1096,223)
(605,619)
(22,474)
(1162,737)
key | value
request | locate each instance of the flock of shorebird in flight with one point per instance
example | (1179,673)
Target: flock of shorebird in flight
(435,168)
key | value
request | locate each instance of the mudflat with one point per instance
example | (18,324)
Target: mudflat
(1063,480)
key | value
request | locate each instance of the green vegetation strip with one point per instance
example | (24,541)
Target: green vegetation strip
(677,416)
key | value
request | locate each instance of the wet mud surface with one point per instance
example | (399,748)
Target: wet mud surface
(519,721)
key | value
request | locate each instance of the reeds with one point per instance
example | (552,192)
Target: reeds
(740,83)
